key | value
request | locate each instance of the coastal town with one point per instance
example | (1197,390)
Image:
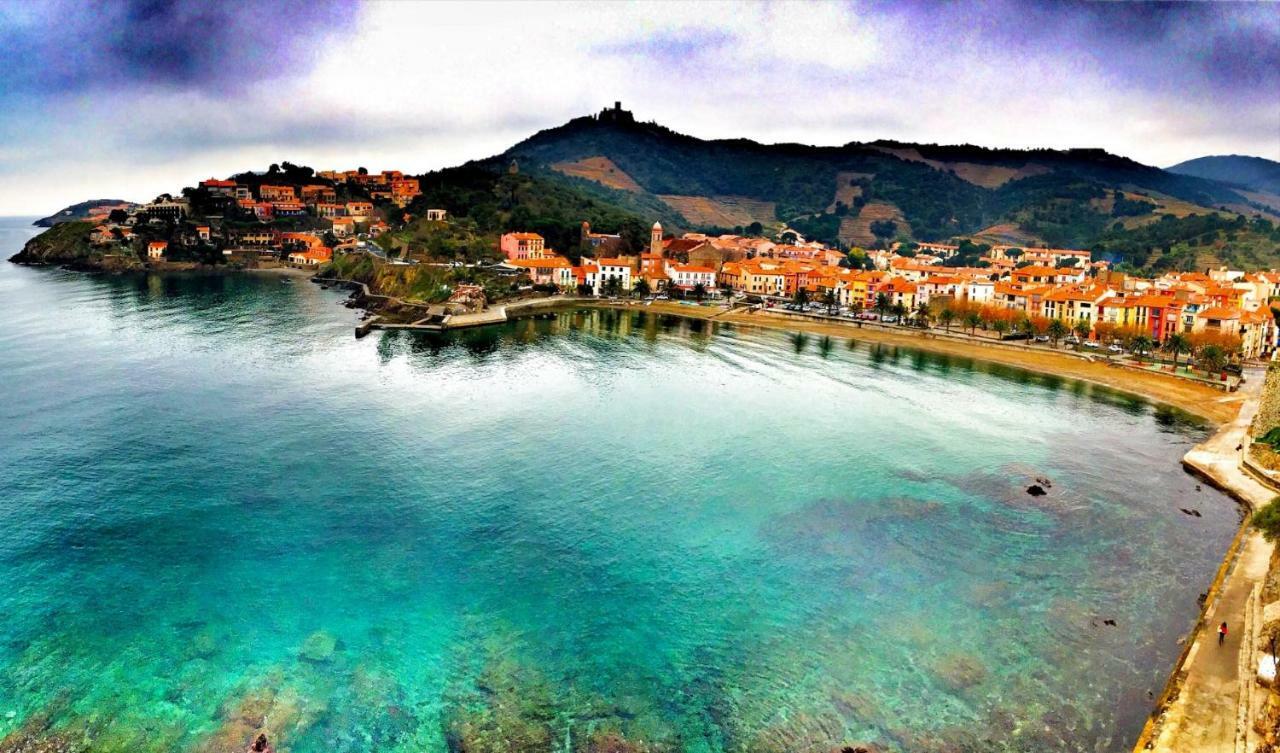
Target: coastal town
(291,216)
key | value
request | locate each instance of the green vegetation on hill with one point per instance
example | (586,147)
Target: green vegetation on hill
(64,243)
(485,201)
(1253,172)
(1184,243)
(1056,199)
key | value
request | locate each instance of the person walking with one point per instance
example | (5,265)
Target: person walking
(1222,633)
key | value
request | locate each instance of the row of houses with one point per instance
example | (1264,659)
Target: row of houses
(1227,302)
(390,185)
(1056,284)
(661,268)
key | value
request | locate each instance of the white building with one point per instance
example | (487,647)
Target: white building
(613,269)
(688,276)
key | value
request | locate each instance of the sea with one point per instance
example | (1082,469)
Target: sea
(221,513)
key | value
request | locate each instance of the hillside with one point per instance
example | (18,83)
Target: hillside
(1254,173)
(928,192)
(78,211)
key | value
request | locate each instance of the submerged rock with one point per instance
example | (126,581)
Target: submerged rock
(960,671)
(318,647)
(1036,490)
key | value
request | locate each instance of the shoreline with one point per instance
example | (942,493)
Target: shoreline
(1227,414)
(1212,405)
(1208,703)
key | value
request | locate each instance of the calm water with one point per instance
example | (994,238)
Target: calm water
(218,508)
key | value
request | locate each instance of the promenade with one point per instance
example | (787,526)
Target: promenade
(1210,707)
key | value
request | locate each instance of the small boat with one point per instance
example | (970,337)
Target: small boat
(286,280)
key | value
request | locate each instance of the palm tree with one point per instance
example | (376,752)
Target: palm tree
(1000,326)
(922,314)
(1175,344)
(612,286)
(1057,330)
(973,319)
(882,304)
(900,311)
(947,316)
(641,288)
(699,292)
(1212,358)
(1082,328)
(831,300)
(1141,344)
(801,296)
(856,307)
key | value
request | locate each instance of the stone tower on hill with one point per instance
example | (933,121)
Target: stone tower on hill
(616,115)
(655,239)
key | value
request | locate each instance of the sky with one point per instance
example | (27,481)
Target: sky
(120,99)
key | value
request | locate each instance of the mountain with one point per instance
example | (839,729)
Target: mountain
(859,192)
(1253,173)
(80,211)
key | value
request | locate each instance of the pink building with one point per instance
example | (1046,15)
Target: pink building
(517,246)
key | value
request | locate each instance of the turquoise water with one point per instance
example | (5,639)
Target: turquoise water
(220,511)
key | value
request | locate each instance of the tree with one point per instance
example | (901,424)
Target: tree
(882,304)
(1057,330)
(801,297)
(831,299)
(947,316)
(973,319)
(1082,328)
(922,314)
(612,286)
(884,229)
(1141,345)
(1267,520)
(1212,357)
(1177,343)
(900,311)
(699,292)
(1000,326)
(641,288)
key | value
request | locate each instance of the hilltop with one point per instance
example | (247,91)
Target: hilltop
(858,193)
(621,174)
(1254,173)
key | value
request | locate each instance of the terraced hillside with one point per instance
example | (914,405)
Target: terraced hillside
(598,169)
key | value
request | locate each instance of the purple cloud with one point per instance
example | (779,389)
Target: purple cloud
(69,47)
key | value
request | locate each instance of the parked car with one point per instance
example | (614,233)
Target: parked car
(1042,338)
(889,319)
(1091,344)
(1115,348)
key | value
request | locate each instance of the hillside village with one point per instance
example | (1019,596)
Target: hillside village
(288,215)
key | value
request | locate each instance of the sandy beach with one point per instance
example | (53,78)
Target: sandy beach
(1200,400)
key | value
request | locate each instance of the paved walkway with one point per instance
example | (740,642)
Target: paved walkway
(1206,716)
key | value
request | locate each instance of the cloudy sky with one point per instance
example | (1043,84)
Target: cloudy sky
(130,99)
